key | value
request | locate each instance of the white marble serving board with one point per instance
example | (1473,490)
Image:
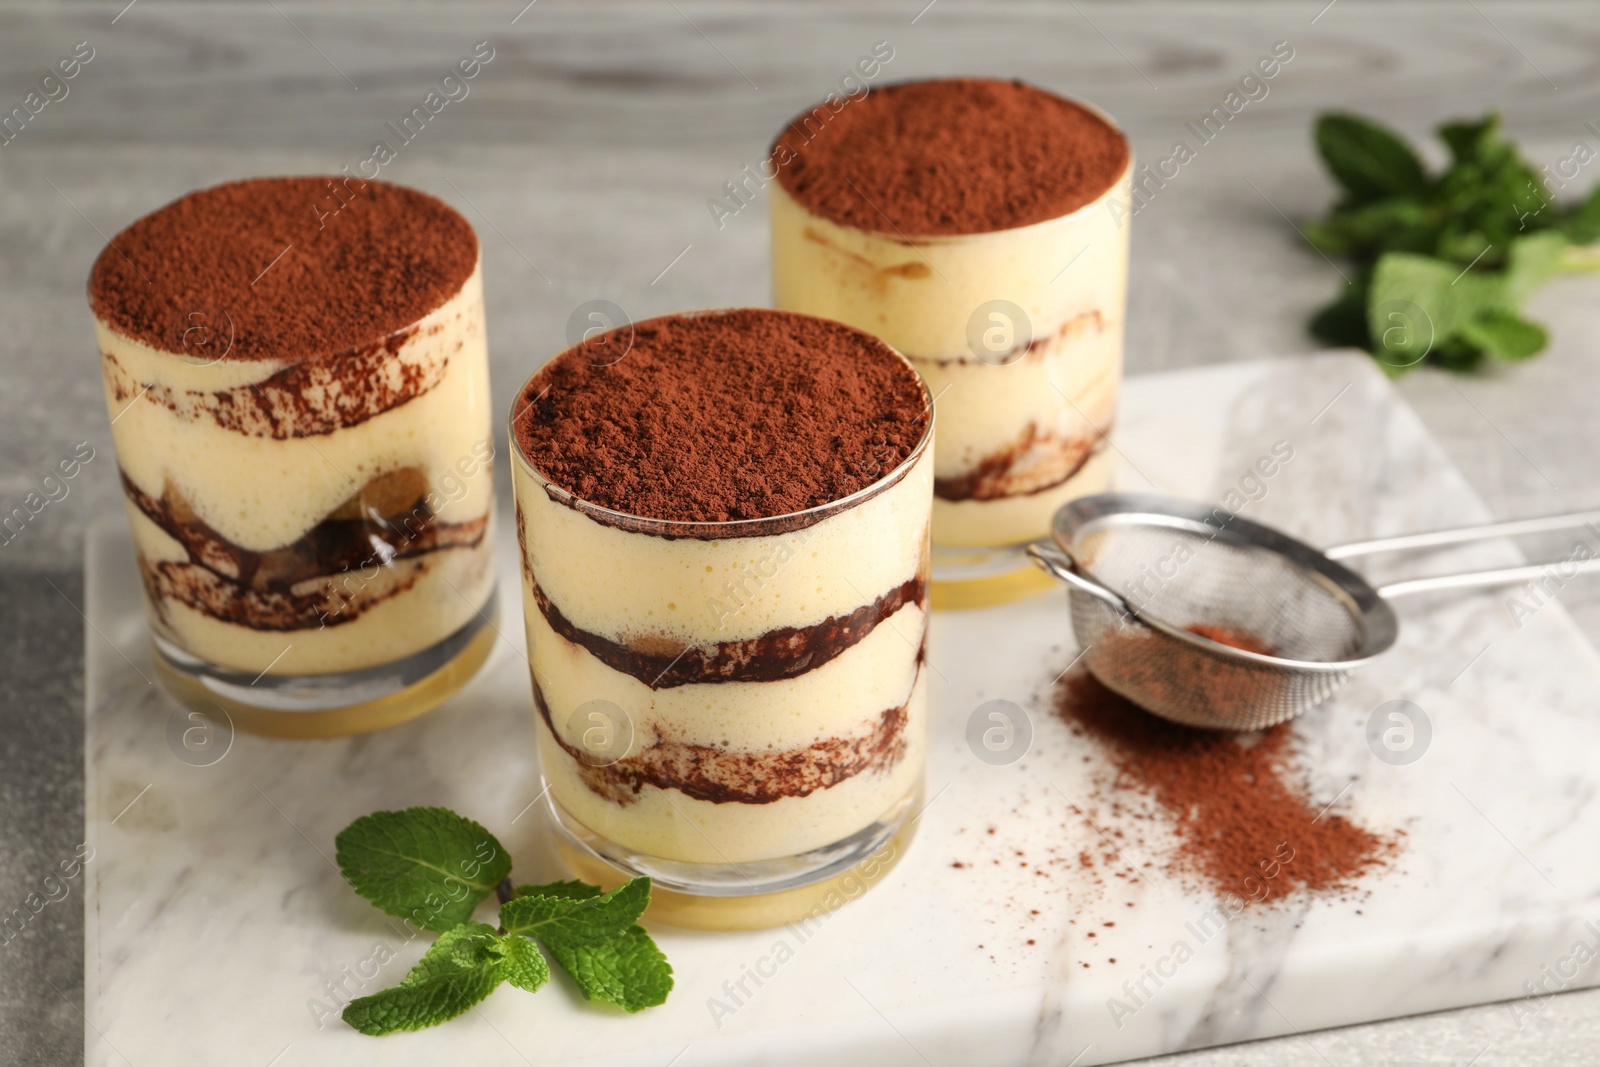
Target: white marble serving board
(215,917)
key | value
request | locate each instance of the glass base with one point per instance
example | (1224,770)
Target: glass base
(744,896)
(982,577)
(331,705)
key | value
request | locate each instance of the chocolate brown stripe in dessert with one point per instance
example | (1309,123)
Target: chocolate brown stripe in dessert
(305,399)
(297,586)
(195,586)
(714,774)
(1036,348)
(994,478)
(910,270)
(786,652)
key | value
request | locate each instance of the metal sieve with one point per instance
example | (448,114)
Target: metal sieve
(1142,569)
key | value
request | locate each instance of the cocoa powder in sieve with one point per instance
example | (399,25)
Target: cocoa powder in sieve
(1243,821)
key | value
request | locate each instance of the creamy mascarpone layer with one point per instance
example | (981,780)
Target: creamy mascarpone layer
(264,490)
(921,294)
(1065,388)
(832,700)
(1015,519)
(627,586)
(667,824)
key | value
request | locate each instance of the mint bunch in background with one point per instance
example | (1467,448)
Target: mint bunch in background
(432,868)
(1444,262)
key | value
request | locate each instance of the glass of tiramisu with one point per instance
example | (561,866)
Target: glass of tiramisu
(298,385)
(980,227)
(724,542)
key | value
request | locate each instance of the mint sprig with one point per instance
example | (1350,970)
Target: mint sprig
(433,867)
(1443,261)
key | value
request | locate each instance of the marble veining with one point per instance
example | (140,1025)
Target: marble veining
(219,931)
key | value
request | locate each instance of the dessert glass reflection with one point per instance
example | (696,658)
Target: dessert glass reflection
(979,227)
(297,379)
(724,556)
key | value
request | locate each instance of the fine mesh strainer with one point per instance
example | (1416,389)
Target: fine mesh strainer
(1143,569)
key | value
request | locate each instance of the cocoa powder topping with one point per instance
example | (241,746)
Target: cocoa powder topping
(721,416)
(951,156)
(282,268)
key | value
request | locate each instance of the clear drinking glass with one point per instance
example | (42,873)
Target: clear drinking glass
(750,767)
(1018,333)
(313,531)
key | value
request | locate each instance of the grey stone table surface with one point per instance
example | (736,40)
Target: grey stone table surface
(586,153)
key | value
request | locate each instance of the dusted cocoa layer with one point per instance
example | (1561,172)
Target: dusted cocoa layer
(718,776)
(721,417)
(785,652)
(296,587)
(285,269)
(949,157)
(308,399)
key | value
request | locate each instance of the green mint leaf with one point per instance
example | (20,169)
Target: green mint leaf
(1476,143)
(1412,306)
(1370,161)
(459,969)
(1459,355)
(1504,334)
(570,890)
(1397,224)
(628,970)
(1582,225)
(1532,261)
(1344,322)
(428,865)
(522,963)
(569,922)
(1469,248)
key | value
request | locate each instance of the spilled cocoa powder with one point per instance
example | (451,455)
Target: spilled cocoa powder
(1243,821)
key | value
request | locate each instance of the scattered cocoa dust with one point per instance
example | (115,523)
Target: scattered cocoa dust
(1243,821)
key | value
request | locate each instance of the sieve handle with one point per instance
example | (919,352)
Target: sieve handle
(1050,559)
(1488,579)
(1436,538)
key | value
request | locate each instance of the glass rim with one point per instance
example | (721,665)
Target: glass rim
(724,528)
